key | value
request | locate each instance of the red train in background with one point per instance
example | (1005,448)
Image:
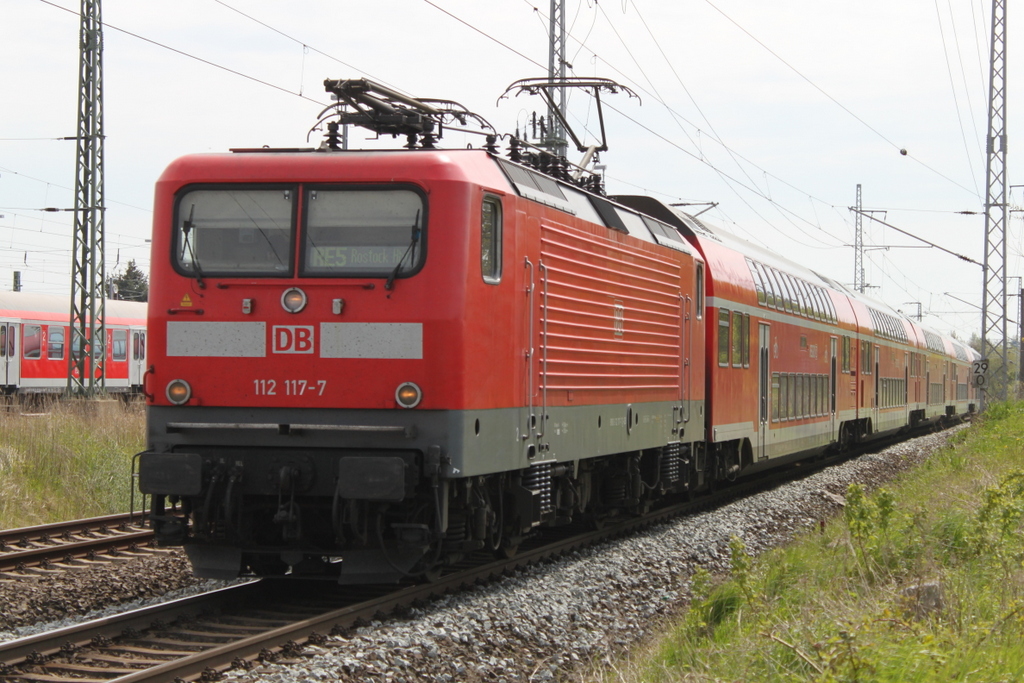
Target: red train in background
(365,365)
(35,344)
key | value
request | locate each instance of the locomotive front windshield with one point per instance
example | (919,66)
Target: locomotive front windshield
(365,232)
(359,231)
(235,231)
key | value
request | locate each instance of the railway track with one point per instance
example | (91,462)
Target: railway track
(196,638)
(31,550)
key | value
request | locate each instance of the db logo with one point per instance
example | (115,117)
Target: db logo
(293,338)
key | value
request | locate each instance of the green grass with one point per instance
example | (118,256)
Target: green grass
(833,606)
(68,460)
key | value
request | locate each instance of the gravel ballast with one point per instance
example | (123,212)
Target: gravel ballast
(536,625)
(547,621)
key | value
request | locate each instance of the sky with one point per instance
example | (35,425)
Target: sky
(775,112)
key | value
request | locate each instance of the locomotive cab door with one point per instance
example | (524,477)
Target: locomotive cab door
(765,387)
(10,366)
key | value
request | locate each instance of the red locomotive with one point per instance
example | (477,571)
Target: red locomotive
(365,365)
(35,344)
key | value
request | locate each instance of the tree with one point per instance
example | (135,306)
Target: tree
(131,284)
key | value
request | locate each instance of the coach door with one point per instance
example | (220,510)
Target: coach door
(833,378)
(878,381)
(137,364)
(10,368)
(765,388)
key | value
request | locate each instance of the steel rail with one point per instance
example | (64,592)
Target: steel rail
(43,545)
(357,608)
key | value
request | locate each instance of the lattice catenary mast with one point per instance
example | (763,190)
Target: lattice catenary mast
(858,247)
(993,308)
(85,358)
(556,142)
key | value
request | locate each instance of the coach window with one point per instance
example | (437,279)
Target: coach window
(490,240)
(746,340)
(55,342)
(32,341)
(775,397)
(3,340)
(846,354)
(769,286)
(120,339)
(723,337)
(784,397)
(737,339)
(700,291)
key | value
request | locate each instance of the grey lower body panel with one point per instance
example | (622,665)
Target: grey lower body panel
(471,442)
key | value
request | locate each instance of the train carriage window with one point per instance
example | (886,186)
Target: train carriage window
(813,381)
(755,275)
(32,341)
(490,240)
(120,345)
(794,398)
(805,396)
(746,340)
(775,397)
(3,340)
(723,336)
(699,285)
(55,342)
(846,354)
(784,397)
(805,299)
(792,301)
(785,300)
(737,339)
(819,302)
(364,232)
(769,287)
(234,231)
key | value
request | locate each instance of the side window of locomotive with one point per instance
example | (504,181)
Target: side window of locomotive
(365,232)
(723,337)
(120,340)
(55,342)
(234,232)
(490,240)
(32,341)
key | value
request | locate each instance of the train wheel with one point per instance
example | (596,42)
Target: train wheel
(507,551)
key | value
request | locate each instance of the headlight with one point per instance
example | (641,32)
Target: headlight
(293,300)
(179,392)
(408,395)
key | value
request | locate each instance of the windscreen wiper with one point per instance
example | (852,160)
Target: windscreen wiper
(415,240)
(186,228)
